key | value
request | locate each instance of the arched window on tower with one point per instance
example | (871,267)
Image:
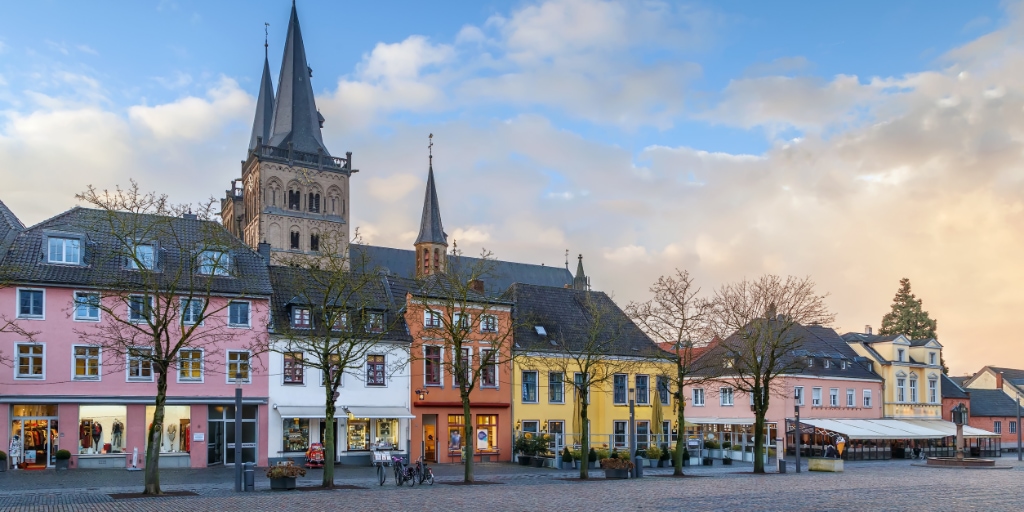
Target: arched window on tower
(294,198)
(426,261)
(437,260)
(314,202)
(295,240)
(334,205)
(314,242)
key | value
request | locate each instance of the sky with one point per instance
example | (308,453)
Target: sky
(857,143)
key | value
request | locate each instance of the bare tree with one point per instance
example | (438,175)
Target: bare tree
(678,319)
(757,320)
(173,271)
(589,341)
(334,310)
(463,316)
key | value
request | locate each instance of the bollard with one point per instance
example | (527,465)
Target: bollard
(250,476)
(782,466)
(638,464)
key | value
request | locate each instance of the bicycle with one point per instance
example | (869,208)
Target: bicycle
(423,472)
(380,459)
(403,473)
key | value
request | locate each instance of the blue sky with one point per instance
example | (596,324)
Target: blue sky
(856,142)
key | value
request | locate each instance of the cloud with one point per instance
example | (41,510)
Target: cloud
(192,118)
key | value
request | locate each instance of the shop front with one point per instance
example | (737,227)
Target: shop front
(34,436)
(439,435)
(357,430)
(722,438)
(885,439)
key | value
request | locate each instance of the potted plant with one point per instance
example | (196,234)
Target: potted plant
(282,476)
(524,446)
(567,459)
(714,449)
(737,452)
(616,468)
(666,459)
(63,459)
(577,458)
(540,449)
(592,458)
(687,461)
(615,454)
(653,456)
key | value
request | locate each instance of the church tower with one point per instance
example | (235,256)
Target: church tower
(293,194)
(432,242)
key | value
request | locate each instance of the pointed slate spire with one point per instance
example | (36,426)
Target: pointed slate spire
(580,282)
(296,119)
(264,108)
(431,230)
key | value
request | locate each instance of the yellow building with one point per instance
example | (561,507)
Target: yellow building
(911,370)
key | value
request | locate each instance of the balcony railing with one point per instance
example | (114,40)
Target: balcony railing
(317,160)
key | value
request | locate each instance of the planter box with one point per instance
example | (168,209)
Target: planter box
(825,464)
(595,465)
(727,461)
(524,460)
(282,484)
(62,464)
(716,453)
(735,455)
(568,466)
(748,456)
(616,474)
(537,462)
(708,461)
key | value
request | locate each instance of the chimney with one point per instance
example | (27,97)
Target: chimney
(999,380)
(189,216)
(476,285)
(867,330)
(263,249)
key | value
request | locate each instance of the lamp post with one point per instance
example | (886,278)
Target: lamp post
(1018,426)
(238,430)
(797,432)
(959,414)
(632,429)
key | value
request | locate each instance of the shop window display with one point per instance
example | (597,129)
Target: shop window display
(102,429)
(296,434)
(455,428)
(358,434)
(386,433)
(486,433)
(177,431)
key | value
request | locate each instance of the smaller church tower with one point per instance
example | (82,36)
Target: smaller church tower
(580,281)
(432,242)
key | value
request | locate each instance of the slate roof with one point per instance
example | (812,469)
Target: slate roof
(960,381)
(869,338)
(992,402)
(431,229)
(1008,373)
(814,341)
(566,317)
(951,389)
(264,119)
(10,227)
(402,263)
(296,118)
(295,286)
(920,343)
(177,240)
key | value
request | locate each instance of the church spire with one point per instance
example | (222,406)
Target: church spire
(581,281)
(296,118)
(264,104)
(431,230)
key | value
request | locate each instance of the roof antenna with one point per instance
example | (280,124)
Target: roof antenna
(266,39)
(430,150)
(567,259)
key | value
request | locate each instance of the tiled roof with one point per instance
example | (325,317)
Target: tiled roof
(869,338)
(176,240)
(1008,373)
(296,118)
(10,227)
(992,402)
(950,389)
(959,381)
(431,228)
(566,317)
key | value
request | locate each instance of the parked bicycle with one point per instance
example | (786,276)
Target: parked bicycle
(423,472)
(381,459)
(403,473)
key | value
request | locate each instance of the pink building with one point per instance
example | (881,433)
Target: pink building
(71,388)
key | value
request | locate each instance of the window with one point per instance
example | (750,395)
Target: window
(87,363)
(30,361)
(293,368)
(666,427)
(531,427)
(997,427)
(913,389)
(488,323)
(456,426)
(815,397)
(579,384)
(461,321)
(300,318)
(296,434)
(431,319)
(827,363)
(486,433)
(214,263)
(663,390)
(810,362)
(314,242)
(190,365)
(643,395)
(375,375)
(191,311)
(143,256)
(294,197)
(140,308)
(899,354)
(238,314)
(87,307)
(529,387)
(843,364)
(294,240)
(867,398)
(851,399)
(643,434)
(698,397)
(374,322)
(901,389)
(238,366)
(432,365)
(556,387)
(833,397)
(619,434)
(30,303)
(798,395)
(619,387)
(64,250)
(725,396)
(933,391)
(1013,427)
(314,203)
(465,363)
(140,364)
(333,369)
(488,369)
(340,321)
(931,358)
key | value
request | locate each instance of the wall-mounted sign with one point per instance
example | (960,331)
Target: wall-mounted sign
(198,437)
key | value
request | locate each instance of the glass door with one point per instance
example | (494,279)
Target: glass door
(215,444)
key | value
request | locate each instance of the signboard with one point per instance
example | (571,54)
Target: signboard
(482,442)
(198,437)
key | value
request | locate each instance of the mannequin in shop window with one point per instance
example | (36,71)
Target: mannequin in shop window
(15,451)
(85,435)
(117,435)
(97,437)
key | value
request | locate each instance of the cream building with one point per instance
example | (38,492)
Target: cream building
(911,370)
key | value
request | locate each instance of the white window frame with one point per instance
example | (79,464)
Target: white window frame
(218,265)
(997,427)
(372,326)
(366,367)
(462,321)
(229,377)
(248,315)
(933,390)
(295,312)
(816,397)
(131,360)
(17,305)
(900,354)
(17,361)
(625,394)
(1013,426)
(202,366)
(302,368)
(551,387)
(913,388)
(77,304)
(725,397)
(536,387)
(188,312)
(901,389)
(131,264)
(141,319)
(833,397)
(431,319)
(867,399)
(931,358)
(63,250)
(851,397)
(74,363)
(469,364)
(647,394)
(698,397)
(488,323)
(798,395)
(827,363)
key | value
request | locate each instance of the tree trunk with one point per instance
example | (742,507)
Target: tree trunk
(677,457)
(156,430)
(585,445)
(329,450)
(467,438)
(759,440)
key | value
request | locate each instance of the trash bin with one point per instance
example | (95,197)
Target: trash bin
(249,478)
(638,465)
(782,466)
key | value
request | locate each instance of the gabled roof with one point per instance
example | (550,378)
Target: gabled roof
(296,118)
(264,119)
(103,263)
(402,263)
(950,389)
(10,227)
(431,229)
(992,402)
(1011,375)
(565,316)
(870,338)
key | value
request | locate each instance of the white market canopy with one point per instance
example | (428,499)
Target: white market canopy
(894,429)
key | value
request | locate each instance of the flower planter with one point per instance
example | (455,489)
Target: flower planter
(748,457)
(616,474)
(524,460)
(716,453)
(736,455)
(727,461)
(595,465)
(282,484)
(537,462)
(62,464)
(568,466)
(708,461)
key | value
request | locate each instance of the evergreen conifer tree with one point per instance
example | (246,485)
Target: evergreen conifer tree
(908,318)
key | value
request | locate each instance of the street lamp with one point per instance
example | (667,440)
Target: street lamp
(422,393)
(238,429)
(797,432)
(960,418)
(632,428)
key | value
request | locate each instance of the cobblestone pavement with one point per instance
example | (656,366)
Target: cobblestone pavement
(893,485)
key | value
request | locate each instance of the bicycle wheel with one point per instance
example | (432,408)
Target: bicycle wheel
(381,475)
(398,476)
(411,479)
(429,477)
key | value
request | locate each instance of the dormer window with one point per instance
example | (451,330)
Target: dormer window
(899,354)
(64,250)
(842,364)
(810,362)
(214,263)
(143,256)
(340,321)
(931,358)
(828,364)
(300,318)
(375,322)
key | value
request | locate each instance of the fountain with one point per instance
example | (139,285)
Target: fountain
(960,417)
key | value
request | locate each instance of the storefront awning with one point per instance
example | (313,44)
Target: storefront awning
(292,411)
(722,421)
(893,429)
(378,412)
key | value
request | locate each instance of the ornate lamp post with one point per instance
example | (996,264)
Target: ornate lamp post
(796,432)
(632,428)
(960,417)
(238,430)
